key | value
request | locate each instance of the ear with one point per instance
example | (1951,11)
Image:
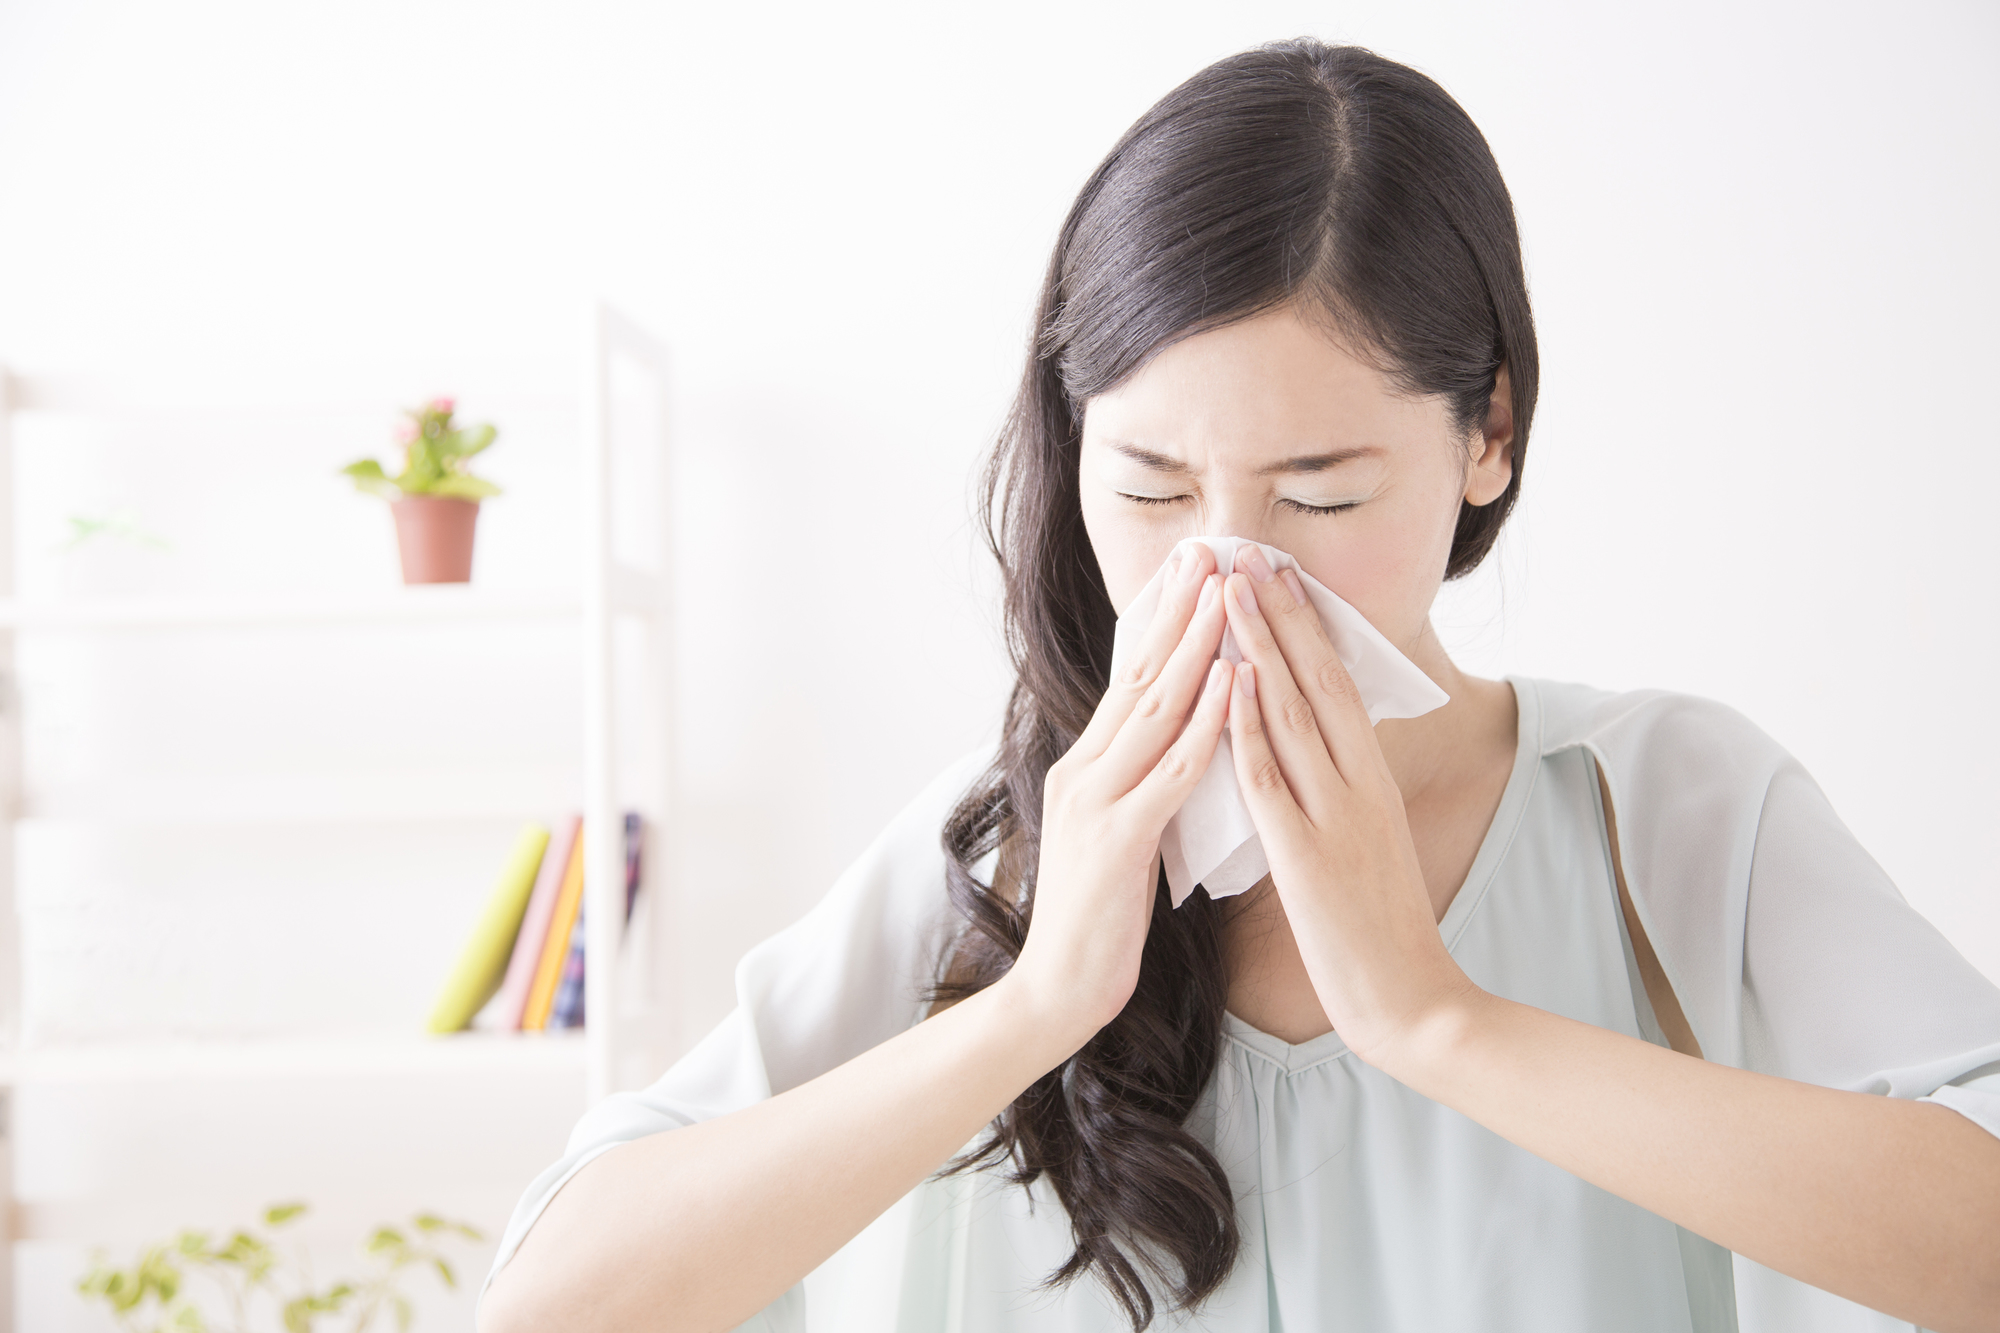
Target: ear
(1493,447)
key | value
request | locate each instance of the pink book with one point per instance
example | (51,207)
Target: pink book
(535,927)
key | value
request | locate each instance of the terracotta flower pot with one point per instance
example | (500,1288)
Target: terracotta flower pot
(434,534)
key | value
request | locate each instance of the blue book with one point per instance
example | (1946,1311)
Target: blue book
(635,837)
(568,1010)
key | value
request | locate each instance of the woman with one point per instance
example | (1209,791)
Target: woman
(1551,998)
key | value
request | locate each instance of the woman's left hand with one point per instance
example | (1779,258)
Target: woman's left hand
(1332,823)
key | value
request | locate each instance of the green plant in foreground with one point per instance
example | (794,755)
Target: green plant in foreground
(434,458)
(254,1279)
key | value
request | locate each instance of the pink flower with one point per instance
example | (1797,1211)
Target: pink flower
(442,406)
(406,431)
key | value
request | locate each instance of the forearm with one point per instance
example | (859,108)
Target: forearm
(1889,1203)
(699,1228)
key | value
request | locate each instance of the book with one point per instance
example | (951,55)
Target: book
(482,962)
(635,841)
(569,1010)
(528,945)
(555,951)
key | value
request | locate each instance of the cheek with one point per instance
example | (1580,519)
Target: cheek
(1388,564)
(1130,543)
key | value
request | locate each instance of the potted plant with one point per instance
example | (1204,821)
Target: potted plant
(434,499)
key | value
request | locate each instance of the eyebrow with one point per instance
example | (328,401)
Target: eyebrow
(1304,464)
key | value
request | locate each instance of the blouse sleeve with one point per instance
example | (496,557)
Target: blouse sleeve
(1844,984)
(845,977)
(1790,949)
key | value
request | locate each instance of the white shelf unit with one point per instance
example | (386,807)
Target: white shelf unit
(625,585)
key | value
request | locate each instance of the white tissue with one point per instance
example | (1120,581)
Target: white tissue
(1211,841)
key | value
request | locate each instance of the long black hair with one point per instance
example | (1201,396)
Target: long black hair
(1356,188)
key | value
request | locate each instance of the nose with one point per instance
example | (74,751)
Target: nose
(1234,516)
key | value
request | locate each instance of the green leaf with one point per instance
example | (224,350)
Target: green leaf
(422,471)
(444,1271)
(369,478)
(84,529)
(298,1315)
(384,1239)
(157,1273)
(405,1316)
(245,1251)
(460,486)
(475,439)
(280,1213)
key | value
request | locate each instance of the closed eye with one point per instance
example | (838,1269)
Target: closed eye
(1297,506)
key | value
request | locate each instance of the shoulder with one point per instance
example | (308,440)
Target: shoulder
(1689,780)
(854,970)
(1637,723)
(1664,755)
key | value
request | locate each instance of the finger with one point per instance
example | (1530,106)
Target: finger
(1161,712)
(1319,674)
(1259,775)
(1178,599)
(1289,721)
(1166,787)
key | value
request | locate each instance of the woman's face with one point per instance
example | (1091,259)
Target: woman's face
(1268,429)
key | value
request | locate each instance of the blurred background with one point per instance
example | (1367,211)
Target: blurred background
(236,239)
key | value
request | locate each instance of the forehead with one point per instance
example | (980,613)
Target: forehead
(1255,392)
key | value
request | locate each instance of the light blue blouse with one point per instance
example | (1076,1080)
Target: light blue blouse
(1363,1205)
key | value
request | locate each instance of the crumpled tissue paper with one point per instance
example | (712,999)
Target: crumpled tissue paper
(1211,841)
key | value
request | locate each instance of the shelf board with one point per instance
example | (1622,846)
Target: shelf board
(556,1054)
(410,794)
(392,606)
(628,592)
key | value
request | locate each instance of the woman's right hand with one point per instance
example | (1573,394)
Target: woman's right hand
(1106,802)
(761,1196)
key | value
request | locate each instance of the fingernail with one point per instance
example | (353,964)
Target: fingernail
(1245,599)
(1246,679)
(1255,564)
(1190,562)
(1214,678)
(1291,582)
(1207,594)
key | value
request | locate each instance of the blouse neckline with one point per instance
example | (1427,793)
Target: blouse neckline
(1295,1058)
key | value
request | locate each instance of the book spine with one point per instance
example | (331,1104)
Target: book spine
(567,1011)
(476,973)
(534,934)
(548,972)
(635,840)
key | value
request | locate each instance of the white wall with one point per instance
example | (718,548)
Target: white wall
(1759,239)
(1756,237)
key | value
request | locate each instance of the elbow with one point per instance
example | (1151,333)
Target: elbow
(497,1311)
(520,1303)
(515,1303)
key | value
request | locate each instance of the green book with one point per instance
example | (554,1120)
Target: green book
(483,961)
